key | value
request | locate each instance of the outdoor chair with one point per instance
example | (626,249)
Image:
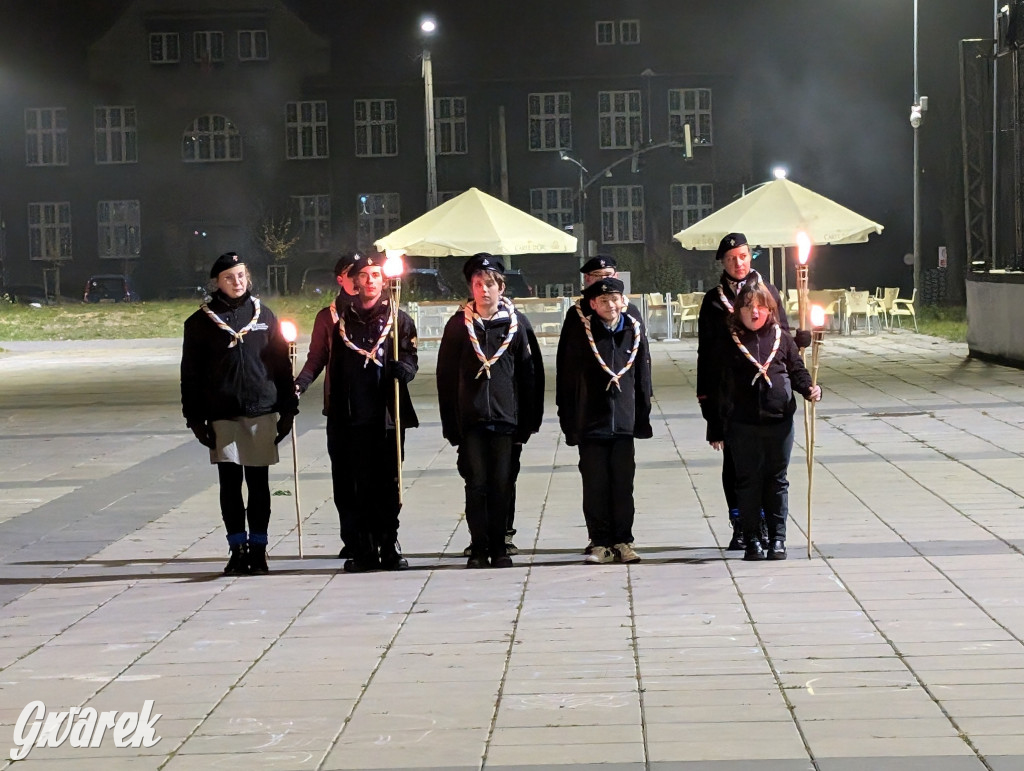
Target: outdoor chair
(689,308)
(860,304)
(902,307)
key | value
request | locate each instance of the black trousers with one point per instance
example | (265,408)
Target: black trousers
(232,507)
(608,467)
(729,477)
(485,463)
(517,454)
(364,468)
(760,456)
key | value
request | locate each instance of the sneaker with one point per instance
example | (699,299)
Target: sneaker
(590,548)
(754,551)
(625,553)
(778,550)
(510,548)
(600,555)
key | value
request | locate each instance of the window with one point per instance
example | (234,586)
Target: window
(115,137)
(46,136)
(376,127)
(605,32)
(550,121)
(118,226)
(450,125)
(208,47)
(622,214)
(315,221)
(211,138)
(629,32)
(690,203)
(306,130)
(164,48)
(49,231)
(554,205)
(619,119)
(253,45)
(377,215)
(693,106)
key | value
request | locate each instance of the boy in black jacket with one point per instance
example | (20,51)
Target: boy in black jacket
(488,400)
(604,403)
(752,413)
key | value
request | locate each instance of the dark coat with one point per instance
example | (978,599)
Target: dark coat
(325,331)
(252,378)
(740,398)
(713,339)
(587,408)
(510,401)
(364,395)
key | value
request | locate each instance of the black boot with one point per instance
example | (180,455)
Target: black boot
(755,551)
(738,542)
(238,562)
(391,552)
(258,559)
(778,550)
(366,557)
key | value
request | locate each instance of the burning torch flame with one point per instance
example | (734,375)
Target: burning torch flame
(289,331)
(803,245)
(393,265)
(817,316)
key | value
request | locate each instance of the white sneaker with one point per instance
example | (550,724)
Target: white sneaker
(625,553)
(600,555)
(590,547)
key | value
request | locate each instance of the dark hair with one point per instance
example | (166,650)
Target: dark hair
(753,292)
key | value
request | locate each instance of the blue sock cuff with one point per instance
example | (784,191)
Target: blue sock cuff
(260,539)
(734,513)
(236,539)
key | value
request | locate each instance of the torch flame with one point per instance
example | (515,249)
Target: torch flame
(803,245)
(817,316)
(393,265)
(289,331)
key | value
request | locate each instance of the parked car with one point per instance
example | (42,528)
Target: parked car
(319,282)
(516,284)
(110,287)
(425,284)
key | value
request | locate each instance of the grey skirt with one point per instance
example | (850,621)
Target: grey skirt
(246,441)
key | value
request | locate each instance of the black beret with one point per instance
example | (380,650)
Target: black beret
(226,261)
(361,261)
(731,241)
(481,261)
(345,261)
(604,286)
(597,263)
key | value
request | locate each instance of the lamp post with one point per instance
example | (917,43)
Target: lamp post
(428,26)
(581,203)
(290,332)
(917,110)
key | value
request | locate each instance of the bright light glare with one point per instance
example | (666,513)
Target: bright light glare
(289,331)
(779,172)
(817,316)
(428,26)
(803,246)
(393,265)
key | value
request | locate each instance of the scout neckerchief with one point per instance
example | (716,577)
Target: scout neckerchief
(469,311)
(370,355)
(762,369)
(735,286)
(615,376)
(237,337)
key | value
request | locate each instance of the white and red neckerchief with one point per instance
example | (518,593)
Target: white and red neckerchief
(762,369)
(615,376)
(469,311)
(378,347)
(239,336)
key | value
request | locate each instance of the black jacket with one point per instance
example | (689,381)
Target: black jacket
(252,378)
(364,395)
(740,398)
(320,344)
(587,408)
(511,400)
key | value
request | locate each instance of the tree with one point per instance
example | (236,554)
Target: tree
(277,237)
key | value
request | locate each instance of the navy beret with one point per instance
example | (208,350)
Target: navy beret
(597,263)
(226,261)
(731,241)
(482,261)
(604,286)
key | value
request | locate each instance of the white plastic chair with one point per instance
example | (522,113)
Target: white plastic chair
(902,307)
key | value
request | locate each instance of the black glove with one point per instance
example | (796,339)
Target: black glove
(284,427)
(401,371)
(802,338)
(204,433)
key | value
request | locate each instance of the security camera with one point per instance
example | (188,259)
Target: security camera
(915,115)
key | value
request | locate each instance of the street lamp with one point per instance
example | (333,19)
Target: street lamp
(428,27)
(917,110)
(581,198)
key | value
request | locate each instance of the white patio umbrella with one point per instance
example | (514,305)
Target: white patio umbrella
(476,222)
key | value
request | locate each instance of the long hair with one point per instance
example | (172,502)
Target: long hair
(753,293)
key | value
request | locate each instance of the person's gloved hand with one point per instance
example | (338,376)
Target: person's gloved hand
(802,338)
(401,371)
(284,427)
(204,433)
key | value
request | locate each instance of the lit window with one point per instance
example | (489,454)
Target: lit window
(306,130)
(622,214)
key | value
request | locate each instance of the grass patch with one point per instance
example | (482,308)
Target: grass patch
(125,321)
(947,322)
